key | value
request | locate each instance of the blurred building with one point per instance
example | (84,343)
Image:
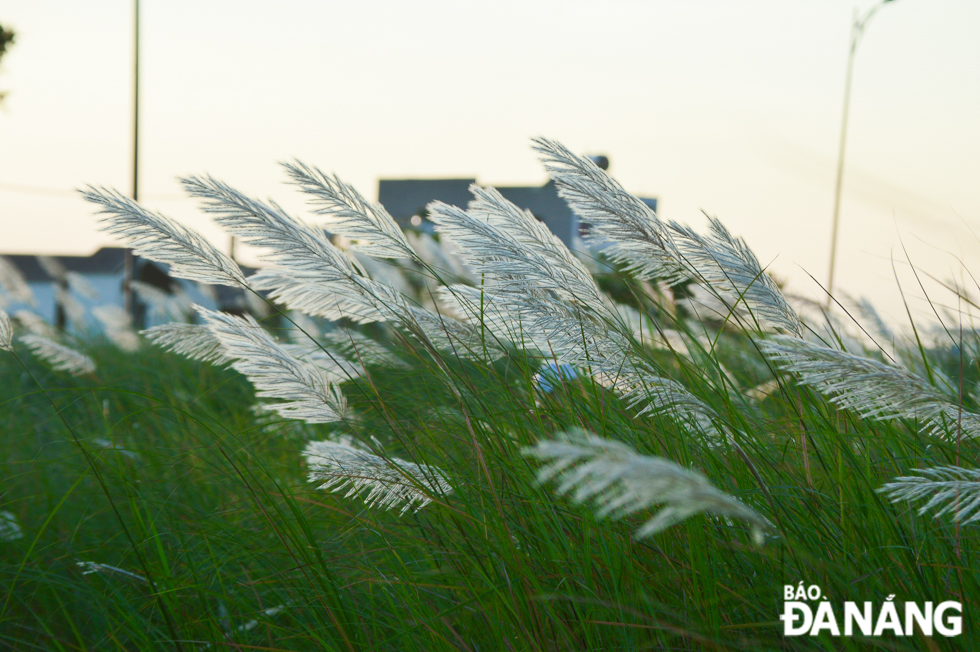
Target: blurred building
(406,199)
(64,290)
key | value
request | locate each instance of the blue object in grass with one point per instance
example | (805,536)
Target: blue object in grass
(553,374)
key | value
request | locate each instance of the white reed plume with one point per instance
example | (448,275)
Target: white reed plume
(341,465)
(334,366)
(252,624)
(174,306)
(6,332)
(161,239)
(953,421)
(257,305)
(290,243)
(618,481)
(189,340)
(300,327)
(118,326)
(634,236)
(708,305)
(35,323)
(52,267)
(646,391)
(357,347)
(728,266)
(869,314)
(10,529)
(438,257)
(92,567)
(533,289)
(627,229)
(873,389)
(12,283)
(307,392)
(314,276)
(955,489)
(350,215)
(535,292)
(59,356)
(385,272)
(108,444)
(511,246)
(331,299)
(78,283)
(74,310)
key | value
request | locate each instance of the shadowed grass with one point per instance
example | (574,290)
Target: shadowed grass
(216,502)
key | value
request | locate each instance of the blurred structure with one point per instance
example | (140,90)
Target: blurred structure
(406,199)
(66,289)
(7,38)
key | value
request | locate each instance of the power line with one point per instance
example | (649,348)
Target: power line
(62,192)
(37,190)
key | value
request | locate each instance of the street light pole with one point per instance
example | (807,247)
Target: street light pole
(128,262)
(857,31)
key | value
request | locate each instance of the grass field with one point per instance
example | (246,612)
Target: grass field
(159,510)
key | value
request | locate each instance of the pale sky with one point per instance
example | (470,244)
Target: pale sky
(729,107)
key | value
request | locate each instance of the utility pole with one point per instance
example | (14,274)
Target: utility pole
(857,31)
(128,262)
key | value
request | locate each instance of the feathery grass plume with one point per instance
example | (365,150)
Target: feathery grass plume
(333,300)
(585,333)
(869,314)
(623,226)
(14,285)
(74,310)
(533,290)
(161,239)
(10,529)
(515,249)
(311,276)
(708,305)
(619,481)
(189,340)
(118,326)
(536,292)
(92,567)
(35,323)
(953,421)
(728,266)
(647,392)
(956,489)
(336,368)
(6,332)
(314,276)
(252,624)
(78,283)
(174,306)
(52,267)
(634,236)
(873,389)
(108,444)
(292,244)
(350,215)
(360,348)
(341,465)
(306,390)
(59,356)
(437,256)
(300,327)
(71,280)
(385,272)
